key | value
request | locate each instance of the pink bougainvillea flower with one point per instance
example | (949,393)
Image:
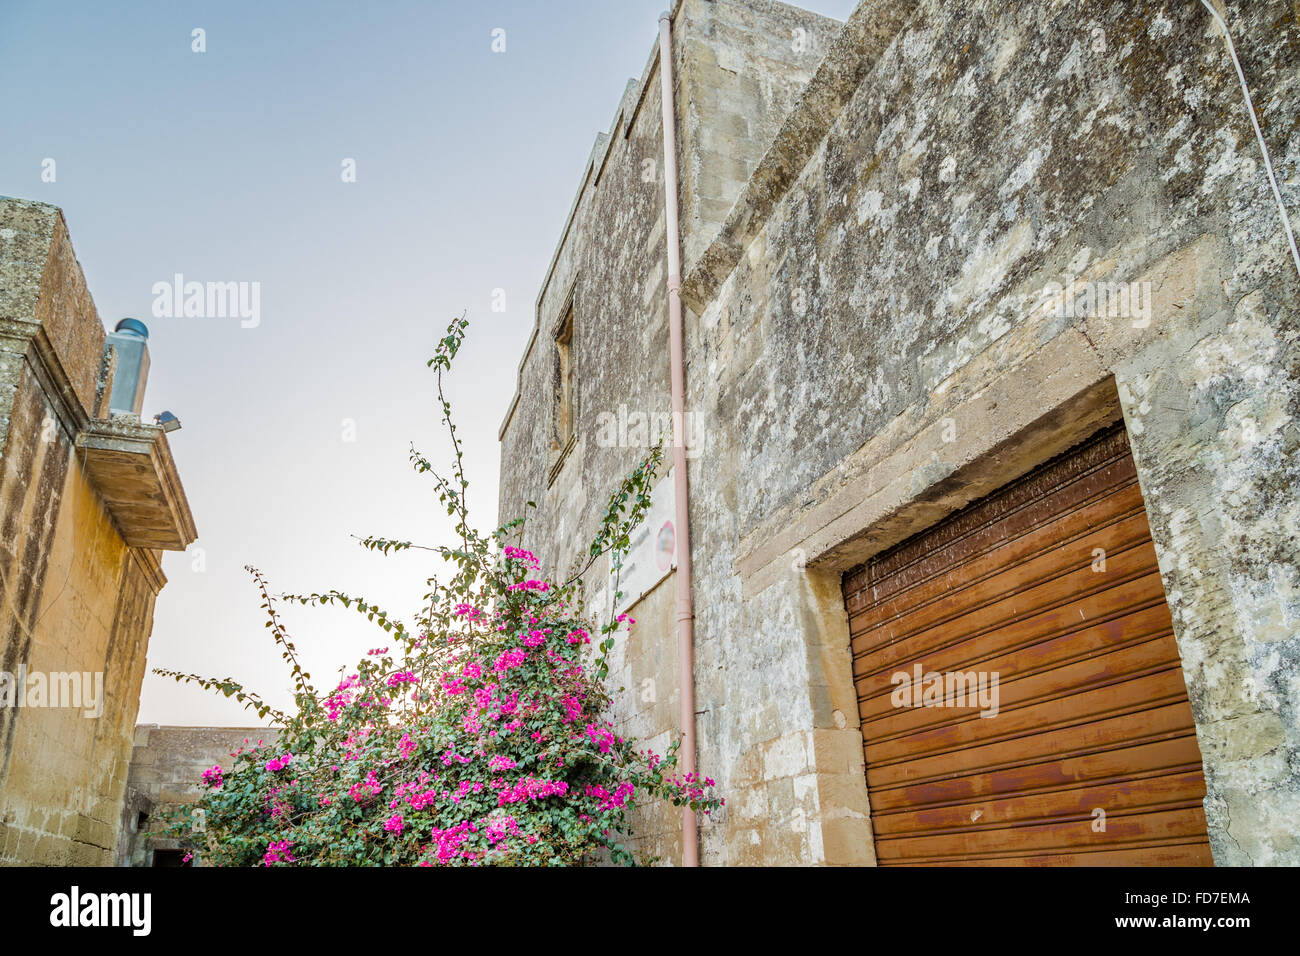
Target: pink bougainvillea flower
(365,789)
(502,751)
(531,788)
(536,637)
(519,554)
(509,659)
(602,737)
(278,852)
(452,685)
(529,585)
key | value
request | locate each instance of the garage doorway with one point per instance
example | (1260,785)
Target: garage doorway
(1019,686)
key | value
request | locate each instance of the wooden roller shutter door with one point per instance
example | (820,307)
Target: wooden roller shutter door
(1092,708)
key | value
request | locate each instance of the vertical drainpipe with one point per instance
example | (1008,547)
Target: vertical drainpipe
(685,609)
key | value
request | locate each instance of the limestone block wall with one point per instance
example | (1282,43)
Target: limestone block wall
(739,67)
(610,261)
(167,765)
(75,597)
(897,284)
(872,343)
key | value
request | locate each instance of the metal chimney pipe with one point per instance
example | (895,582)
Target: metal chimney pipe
(131,340)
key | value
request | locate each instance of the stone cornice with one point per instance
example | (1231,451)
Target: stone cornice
(131,466)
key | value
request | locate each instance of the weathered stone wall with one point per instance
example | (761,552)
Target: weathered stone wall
(989,153)
(871,347)
(739,67)
(76,597)
(167,765)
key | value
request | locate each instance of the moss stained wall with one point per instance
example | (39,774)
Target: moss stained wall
(739,67)
(873,344)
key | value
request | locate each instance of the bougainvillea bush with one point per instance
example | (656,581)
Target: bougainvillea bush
(478,735)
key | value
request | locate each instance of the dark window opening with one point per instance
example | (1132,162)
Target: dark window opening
(565,412)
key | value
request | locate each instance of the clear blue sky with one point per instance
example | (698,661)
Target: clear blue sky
(225,166)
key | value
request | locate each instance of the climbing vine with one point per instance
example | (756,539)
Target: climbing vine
(478,734)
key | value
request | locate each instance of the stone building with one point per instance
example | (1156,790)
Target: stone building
(167,765)
(992,371)
(89,500)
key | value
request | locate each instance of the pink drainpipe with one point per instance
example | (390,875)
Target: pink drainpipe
(681,491)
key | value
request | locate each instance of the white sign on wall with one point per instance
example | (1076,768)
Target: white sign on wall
(652,553)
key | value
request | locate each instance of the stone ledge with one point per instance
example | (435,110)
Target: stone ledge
(130,464)
(894,485)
